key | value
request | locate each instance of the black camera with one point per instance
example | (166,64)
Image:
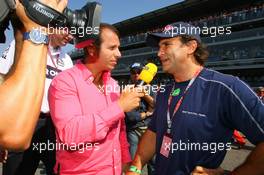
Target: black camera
(88,16)
(6,7)
(84,23)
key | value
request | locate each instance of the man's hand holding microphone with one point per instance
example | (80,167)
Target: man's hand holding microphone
(130,98)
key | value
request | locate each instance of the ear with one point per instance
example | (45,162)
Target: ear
(91,50)
(192,46)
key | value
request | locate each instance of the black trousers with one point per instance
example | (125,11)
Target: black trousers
(26,163)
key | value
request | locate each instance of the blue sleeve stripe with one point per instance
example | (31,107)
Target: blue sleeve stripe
(251,91)
(242,104)
(241,82)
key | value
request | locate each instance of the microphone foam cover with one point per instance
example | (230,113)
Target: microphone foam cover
(148,72)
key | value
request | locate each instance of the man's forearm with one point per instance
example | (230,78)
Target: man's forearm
(146,149)
(2,77)
(21,96)
(254,162)
(149,100)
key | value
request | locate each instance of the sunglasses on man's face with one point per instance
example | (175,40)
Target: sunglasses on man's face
(135,72)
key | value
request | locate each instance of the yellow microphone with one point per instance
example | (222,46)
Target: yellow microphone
(147,74)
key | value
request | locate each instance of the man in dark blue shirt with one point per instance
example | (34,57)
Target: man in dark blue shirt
(138,119)
(194,119)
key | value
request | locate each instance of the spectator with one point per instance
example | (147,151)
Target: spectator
(138,119)
(260,93)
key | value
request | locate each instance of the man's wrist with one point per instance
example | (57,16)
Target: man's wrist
(149,113)
(29,27)
(134,169)
(36,36)
(143,115)
(35,26)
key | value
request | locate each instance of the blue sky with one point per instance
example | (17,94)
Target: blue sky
(113,11)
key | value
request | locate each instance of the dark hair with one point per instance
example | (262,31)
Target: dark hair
(98,41)
(103,26)
(201,53)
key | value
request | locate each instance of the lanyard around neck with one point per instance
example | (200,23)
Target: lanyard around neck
(178,104)
(52,57)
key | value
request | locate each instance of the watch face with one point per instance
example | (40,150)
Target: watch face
(37,36)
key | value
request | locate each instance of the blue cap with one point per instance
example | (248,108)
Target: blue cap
(137,66)
(173,30)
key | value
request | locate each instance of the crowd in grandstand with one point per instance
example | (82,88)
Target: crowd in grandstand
(228,17)
(219,19)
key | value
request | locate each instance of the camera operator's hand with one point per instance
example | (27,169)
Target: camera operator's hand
(130,98)
(60,38)
(58,5)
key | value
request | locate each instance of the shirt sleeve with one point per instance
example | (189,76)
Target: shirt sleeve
(133,116)
(153,123)
(72,126)
(246,111)
(7,58)
(124,144)
(69,63)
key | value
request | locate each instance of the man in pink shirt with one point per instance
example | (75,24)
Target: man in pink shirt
(88,111)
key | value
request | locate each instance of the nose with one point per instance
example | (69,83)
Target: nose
(160,52)
(118,53)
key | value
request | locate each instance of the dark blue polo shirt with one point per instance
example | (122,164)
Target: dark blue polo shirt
(202,128)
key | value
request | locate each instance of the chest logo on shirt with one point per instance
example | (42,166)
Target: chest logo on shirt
(51,72)
(194,114)
(176,92)
(60,63)
(4,55)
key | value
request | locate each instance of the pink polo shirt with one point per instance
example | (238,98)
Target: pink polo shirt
(89,124)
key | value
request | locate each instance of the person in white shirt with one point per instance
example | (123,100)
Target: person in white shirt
(27,162)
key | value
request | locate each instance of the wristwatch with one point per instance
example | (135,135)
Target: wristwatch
(36,36)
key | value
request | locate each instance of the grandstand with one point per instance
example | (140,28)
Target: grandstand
(239,52)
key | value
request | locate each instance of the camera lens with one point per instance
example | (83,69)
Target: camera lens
(75,18)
